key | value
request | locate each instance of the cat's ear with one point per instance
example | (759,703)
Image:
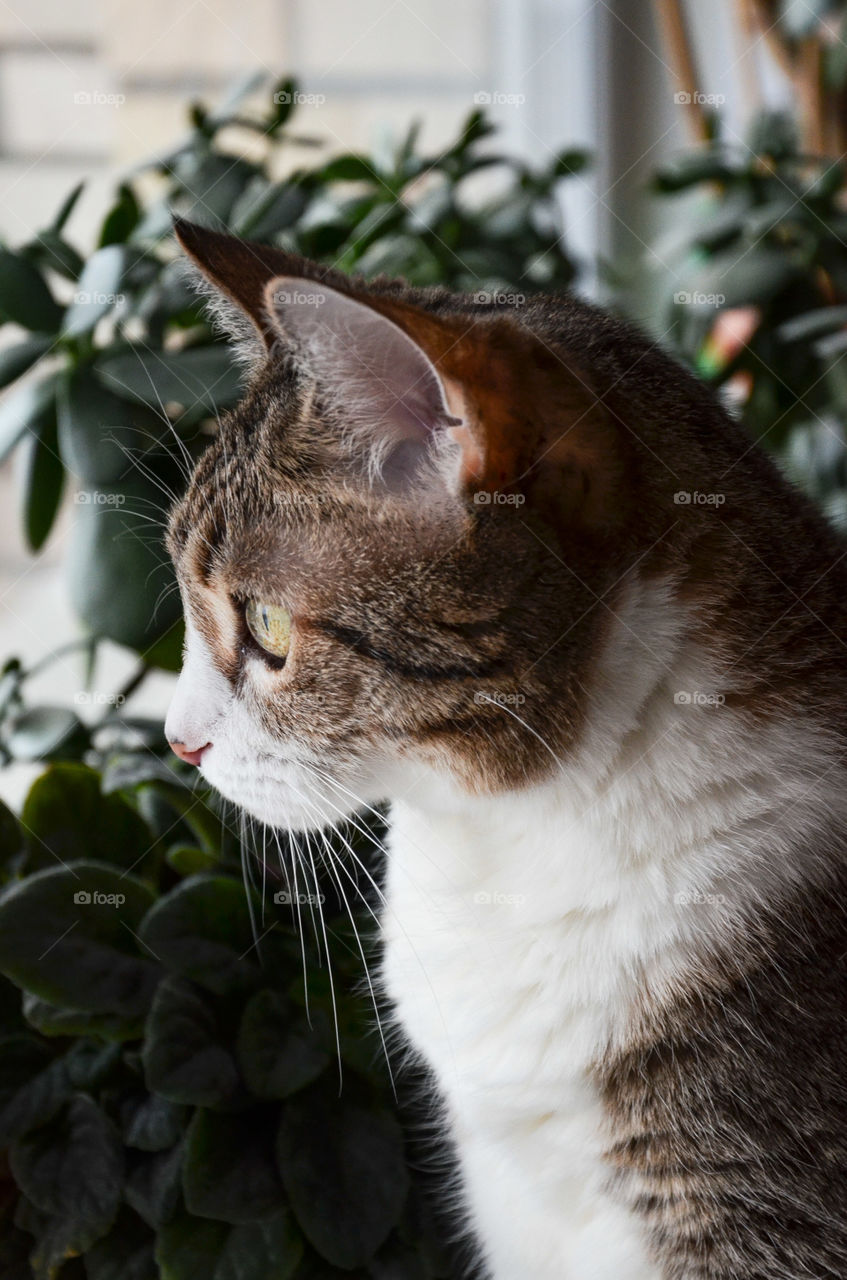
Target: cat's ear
(504,416)
(392,403)
(232,274)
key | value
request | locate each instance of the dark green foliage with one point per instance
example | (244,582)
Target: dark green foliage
(168,1107)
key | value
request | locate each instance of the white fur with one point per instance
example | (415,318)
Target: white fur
(523,931)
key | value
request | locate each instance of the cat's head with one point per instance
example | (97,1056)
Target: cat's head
(391,555)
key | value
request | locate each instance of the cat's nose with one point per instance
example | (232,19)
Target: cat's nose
(189,756)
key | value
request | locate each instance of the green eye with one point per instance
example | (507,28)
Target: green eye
(270,627)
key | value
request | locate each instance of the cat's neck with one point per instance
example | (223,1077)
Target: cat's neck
(681,818)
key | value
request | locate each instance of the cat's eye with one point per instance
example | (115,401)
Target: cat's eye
(270,627)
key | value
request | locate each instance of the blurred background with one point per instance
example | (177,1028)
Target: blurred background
(665,191)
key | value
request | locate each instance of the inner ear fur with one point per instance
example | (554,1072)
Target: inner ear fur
(532,425)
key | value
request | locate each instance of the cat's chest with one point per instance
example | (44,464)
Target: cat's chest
(507,994)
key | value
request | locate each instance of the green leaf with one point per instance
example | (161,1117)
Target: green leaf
(745,280)
(44,733)
(266,209)
(72,1169)
(126,1253)
(192,1247)
(811,324)
(122,218)
(692,168)
(190,859)
(134,769)
(28,408)
(153,1185)
(569,162)
(52,253)
(24,297)
(185,1058)
(100,433)
(97,290)
(33,1086)
(345,1174)
(118,570)
(349,168)
(229,1172)
(212,184)
(51,1020)
(22,356)
(202,931)
(67,207)
(67,818)
(201,376)
(11,840)
(275,1055)
(42,482)
(67,937)
(152,1123)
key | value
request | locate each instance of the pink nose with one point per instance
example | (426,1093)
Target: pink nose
(190,757)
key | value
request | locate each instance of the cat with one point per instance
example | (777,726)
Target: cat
(515,571)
